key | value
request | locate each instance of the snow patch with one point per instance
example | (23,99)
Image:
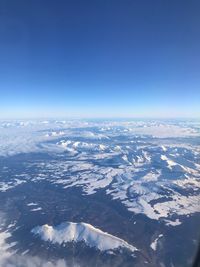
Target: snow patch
(154,244)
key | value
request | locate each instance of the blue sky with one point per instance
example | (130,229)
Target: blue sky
(104,58)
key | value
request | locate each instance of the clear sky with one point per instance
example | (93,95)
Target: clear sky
(99,58)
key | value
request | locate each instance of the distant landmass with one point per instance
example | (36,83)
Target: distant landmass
(101,193)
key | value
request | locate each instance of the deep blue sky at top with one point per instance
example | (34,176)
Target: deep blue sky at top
(99,58)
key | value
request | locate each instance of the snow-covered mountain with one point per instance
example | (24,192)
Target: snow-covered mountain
(77,232)
(139,180)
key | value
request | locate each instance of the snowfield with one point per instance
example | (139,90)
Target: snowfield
(151,167)
(138,180)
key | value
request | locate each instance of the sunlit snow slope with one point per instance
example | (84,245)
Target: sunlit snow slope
(77,232)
